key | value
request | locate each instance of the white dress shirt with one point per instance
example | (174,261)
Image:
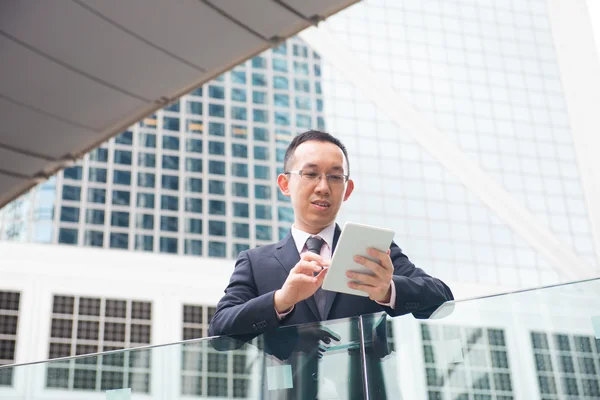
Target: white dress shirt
(300,238)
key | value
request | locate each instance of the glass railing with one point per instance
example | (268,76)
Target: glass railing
(535,344)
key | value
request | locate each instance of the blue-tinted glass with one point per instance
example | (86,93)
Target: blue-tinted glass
(318,87)
(282,197)
(193,225)
(303,121)
(100,155)
(217,228)
(69,214)
(239,189)
(144,242)
(241,210)
(283,136)
(217,249)
(259,62)
(320,123)
(279,154)
(281,49)
(259,97)
(264,232)
(238,77)
(67,236)
(146,180)
(216,129)
(262,192)
(216,207)
(197,92)
(170,162)
(147,160)
(216,110)
(119,218)
(193,247)
(280,65)
(317,69)
(282,118)
(147,139)
(261,153)
(193,145)
(149,122)
(169,202)
(261,134)
(94,238)
(170,182)
(194,107)
(74,173)
(98,175)
(144,221)
(241,230)
(238,248)
(262,211)
(303,102)
(239,113)
(119,240)
(281,100)
(216,167)
(319,105)
(216,187)
(193,205)
(71,192)
(145,200)
(170,142)
(240,170)
(285,214)
(283,231)
(169,224)
(239,131)
(193,164)
(171,123)
(122,157)
(168,245)
(316,56)
(193,185)
(97,196)
(301,68)
(125,138)
(300,51)
(121,197)
(258,80)
(238,94)
(239,150)
(281,82)
(261,172)
(195,126)
(172,107)
(121,177)
(216,92)
(301,85)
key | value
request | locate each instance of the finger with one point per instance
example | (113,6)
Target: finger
(364,278)
(383,256)
(307,268)
(321,276)
(308,256)
(304,279)
(371,265)
(370,290)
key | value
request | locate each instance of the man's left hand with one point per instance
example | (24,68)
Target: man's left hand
(377,286)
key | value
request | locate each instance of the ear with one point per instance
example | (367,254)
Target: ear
(349,189)
(284,184)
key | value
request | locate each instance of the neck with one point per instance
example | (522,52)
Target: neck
(309,229)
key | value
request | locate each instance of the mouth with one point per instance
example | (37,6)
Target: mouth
(321,204)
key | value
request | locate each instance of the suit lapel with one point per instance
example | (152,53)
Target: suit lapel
(288,257)
(331,296)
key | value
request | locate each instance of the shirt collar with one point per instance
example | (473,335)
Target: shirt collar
(300,237)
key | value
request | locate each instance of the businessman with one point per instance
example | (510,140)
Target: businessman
(280,284)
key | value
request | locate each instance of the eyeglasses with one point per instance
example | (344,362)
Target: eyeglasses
(312,176)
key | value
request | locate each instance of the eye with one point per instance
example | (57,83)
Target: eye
(310,174)
(336,178)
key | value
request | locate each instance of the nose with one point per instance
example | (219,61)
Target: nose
(322,185)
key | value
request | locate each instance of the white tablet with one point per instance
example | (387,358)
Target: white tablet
(354,240)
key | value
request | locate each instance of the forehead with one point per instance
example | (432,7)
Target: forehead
(322,154)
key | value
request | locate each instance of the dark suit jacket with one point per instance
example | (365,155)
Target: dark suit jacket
(248,304)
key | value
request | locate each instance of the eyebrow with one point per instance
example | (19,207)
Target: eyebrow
(312,165)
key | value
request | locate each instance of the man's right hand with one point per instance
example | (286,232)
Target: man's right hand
(301,282)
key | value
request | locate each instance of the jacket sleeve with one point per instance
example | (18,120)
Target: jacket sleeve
(241,310)
(416,292)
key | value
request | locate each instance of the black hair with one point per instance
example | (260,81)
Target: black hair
(312,135)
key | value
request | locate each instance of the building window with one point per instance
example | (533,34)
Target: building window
(259,79)
(238,95)
(94,217)
(238,248)
(123,157)
(99,155)
(281,49)
(280,82)
(259,62)
(217,228)
(216,207)
(193,205)
(280,65)
(300,51)
(67,236)
(126,137)
(97,196)
(285,214)
(97,175)
(193,225)
(144,242)
(74,173)
(260,116)
(120,218)
(241,210)
(193,145)
(239,113)
(119,240)
(239,150)
(259,97)
(121,177)
(94,238)
(171,123)
(193,247)
(77,325)
(216,129)
(194,107)
(145,200)
(217,249)
(281,100)
(169,224)
(121,197)
(147,140)
(174,107)
(9,318)
(239,189)
(193,164)
(238,77)
(168,245)
(69,214)
(170,182)
(262,192)
(170,142)
(146,180)
(169,202)
(216,168)
(262,211)
(216,187)
(216,92)
(241,231)
(195,126)
(261,134)
(147,160)
(170,162)
(217,148)
(144,221)
(262,172)
(264,232)
(216,110)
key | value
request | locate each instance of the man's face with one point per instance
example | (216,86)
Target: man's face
(316,202)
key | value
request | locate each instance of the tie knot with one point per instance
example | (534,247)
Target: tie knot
(314,244)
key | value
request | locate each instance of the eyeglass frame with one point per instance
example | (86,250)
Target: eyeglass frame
(319,176)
